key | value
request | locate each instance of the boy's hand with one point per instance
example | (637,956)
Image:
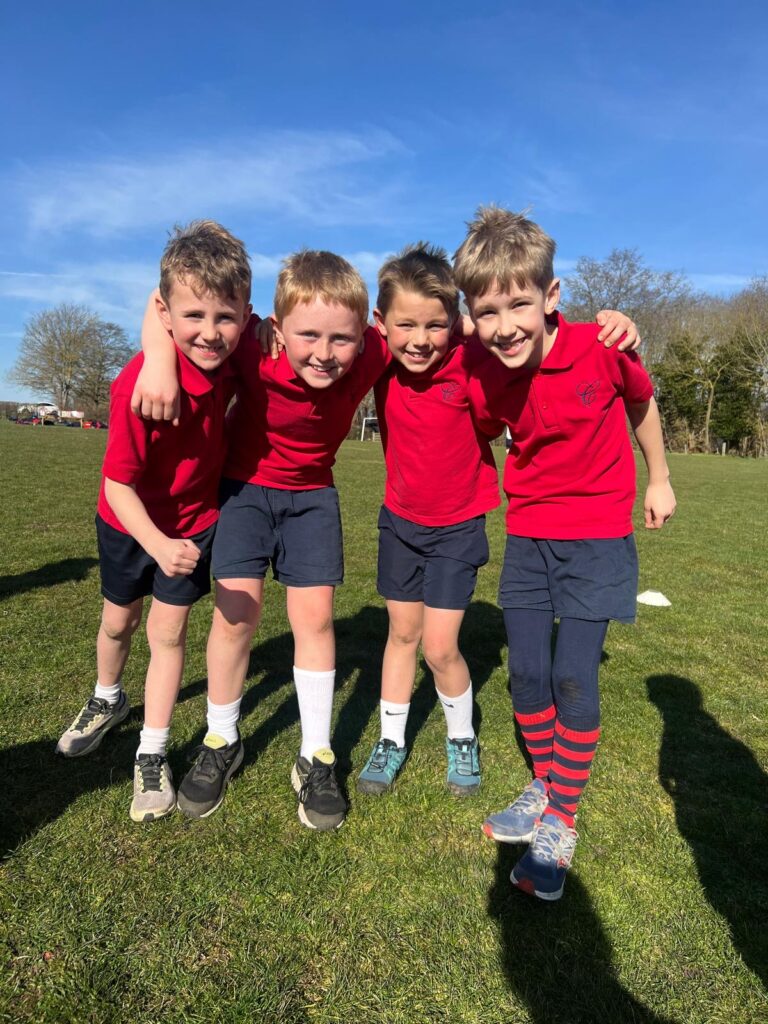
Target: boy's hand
(615,325)
(464,326)
(176,557)
(267,336)
(659,505)
(155,396)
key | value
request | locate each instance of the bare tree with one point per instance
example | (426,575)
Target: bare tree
(68,353)
(657,301)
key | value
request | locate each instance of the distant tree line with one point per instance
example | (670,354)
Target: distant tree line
(708,356)
(72,356)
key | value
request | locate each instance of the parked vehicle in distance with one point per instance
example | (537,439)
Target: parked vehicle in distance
(94,425)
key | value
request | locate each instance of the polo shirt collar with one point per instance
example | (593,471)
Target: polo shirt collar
(559,357)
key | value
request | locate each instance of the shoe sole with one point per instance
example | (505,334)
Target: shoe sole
(147,816)
(526,885)
(98,737)
(190,810)
(487,830)
(463,790)
(331,826)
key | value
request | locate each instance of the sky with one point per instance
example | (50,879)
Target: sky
(360,128)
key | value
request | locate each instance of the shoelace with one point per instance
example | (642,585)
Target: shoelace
(552,844)
(464,757)
(319,778)
(208,762)
(380,755)
(151,772)
(95,706)
(529,801)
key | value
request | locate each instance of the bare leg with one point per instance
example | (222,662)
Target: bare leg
(167,634)
(310,613)
(235,618)
(398,670)
(441,650)
(113,644)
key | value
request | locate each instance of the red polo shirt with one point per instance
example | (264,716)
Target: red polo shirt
(175,470)
(284,433)
(570,472)
(440,468)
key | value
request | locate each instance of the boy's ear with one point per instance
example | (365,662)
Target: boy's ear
(378,319)
(247,314)
(163,312)
(276,329)
(552,297)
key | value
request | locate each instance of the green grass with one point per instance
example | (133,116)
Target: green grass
(405,915)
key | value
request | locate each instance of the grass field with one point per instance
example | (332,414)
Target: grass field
(406,914)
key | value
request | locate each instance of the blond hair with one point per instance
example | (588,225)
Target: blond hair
(421,268)
(502,247)
(209,258)
(315,274)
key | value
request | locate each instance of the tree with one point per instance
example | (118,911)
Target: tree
(657,301)
(69,354)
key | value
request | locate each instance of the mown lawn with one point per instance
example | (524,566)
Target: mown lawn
(406,914)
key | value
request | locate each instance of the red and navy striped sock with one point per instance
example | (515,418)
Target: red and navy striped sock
(572,754)
(538,732)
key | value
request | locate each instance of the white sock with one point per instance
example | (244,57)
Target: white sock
(394,718)
(222,720)
(111,694)
(458,714)
(153,741)
(315,693)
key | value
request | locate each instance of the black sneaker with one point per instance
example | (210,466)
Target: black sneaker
(321,804)
(203,787)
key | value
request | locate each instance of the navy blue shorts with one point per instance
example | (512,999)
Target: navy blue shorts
(434,564)
(128,572)
(298,533)
(575,579)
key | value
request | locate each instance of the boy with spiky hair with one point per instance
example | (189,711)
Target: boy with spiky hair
(280,508)
(158,503)
(570,481)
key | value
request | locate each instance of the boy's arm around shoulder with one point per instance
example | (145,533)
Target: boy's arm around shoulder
(659,504)
(156,393)
(480,389)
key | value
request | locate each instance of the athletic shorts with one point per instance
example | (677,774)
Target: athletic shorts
(128,572)
(575,579)
(434,564)
(298,533)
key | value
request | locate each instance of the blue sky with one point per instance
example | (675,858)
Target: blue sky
(359,128)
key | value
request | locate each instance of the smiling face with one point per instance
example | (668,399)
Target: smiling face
(512,323)
(205,327)
(321,340)
(417,329)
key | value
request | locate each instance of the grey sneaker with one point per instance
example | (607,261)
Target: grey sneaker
(90,727)
(516,823)
(153,793)
(321,803)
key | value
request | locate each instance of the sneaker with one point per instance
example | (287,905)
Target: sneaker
(515,824)
(382,767)
(321,804)
(93,723)
(463,766)
(203,787)
(541,870)
(153,793)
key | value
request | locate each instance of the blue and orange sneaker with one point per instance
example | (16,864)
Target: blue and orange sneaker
(515,824)
(463,766)
(382,767)
(541,870)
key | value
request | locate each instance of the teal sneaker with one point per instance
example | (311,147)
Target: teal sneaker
(542,868)
(382,767)
(516,823)
(463,766)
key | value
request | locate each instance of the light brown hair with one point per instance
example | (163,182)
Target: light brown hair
(502,247)
(421,268)
(316,274)
(207,257)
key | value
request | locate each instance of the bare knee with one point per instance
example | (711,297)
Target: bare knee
(441,658)
(119,624)
(404,636)
(167,634)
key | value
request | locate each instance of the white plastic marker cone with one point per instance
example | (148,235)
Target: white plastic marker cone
(654,597)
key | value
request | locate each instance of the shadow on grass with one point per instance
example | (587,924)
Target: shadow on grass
(46,576)
(720,794)
(556,956)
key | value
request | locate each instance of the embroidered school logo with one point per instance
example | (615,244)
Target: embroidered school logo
(449,390)
(588,392)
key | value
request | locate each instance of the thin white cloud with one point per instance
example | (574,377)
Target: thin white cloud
(719,282)
(323,178)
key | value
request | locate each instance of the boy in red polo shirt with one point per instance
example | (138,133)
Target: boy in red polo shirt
(280,508)
(158,503)
(570,480)
(441,481)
